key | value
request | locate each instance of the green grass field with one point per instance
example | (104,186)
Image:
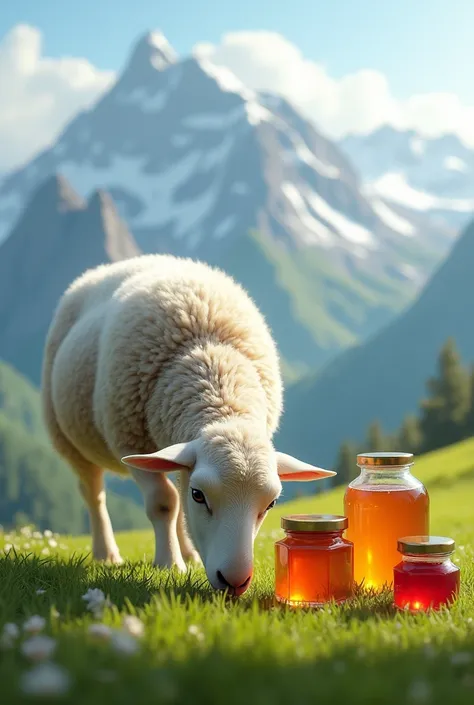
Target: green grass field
(198,647)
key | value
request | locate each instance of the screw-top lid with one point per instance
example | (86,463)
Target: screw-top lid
(422,545)
(314,522)
(384,460)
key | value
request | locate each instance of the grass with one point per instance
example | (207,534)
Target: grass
(200,647)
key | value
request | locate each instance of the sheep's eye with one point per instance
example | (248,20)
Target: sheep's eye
(271,505)
(198,496)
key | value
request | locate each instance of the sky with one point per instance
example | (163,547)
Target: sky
(350,65)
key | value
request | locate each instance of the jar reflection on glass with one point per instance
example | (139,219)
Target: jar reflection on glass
(313,563)
(426,578)
(383,503)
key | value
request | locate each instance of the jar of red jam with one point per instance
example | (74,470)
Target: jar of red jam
(314,564)
(426,577)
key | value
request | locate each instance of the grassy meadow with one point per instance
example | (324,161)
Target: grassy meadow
(147,636)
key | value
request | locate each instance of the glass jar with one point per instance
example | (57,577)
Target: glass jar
(383,503)
(313,564)
(426,578)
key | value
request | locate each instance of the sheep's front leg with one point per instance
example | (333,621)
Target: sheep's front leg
(162,508)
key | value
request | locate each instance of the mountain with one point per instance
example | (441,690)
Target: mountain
(57,237)
(414,174)
(384,378)
(36,486)
(199,165)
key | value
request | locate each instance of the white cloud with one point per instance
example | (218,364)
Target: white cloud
(38,95)
(358,102)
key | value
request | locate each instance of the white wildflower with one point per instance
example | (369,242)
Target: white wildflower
(40,591)
(461,658)
(37,535)
(45,679)
(53,543)
(9,635)
(96,601)
(25,531)
(124,643)
(101,631)
(34,624)
(419,691)
(133,626)
(38,648)
(26,545)
(196,631)
(7,547)
(48,534)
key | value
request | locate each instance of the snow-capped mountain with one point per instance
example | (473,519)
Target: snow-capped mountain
(408,172)
(193,159)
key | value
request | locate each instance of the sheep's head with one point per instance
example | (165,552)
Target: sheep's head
(233,480)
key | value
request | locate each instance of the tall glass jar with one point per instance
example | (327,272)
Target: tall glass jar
(385,502)
(426,578)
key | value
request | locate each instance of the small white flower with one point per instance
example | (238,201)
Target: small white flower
(40,591)
(196,632)
(419,691)
(34,624)
(53,543)
(9,635)
(63,546)
(7,547)
(45,551)
(124,643)
(38,648)
(37,535)
(101,631)
(25,531)
(45,679)
(26,545)
(11,630)
(461,658)
(133,626)
(48,534)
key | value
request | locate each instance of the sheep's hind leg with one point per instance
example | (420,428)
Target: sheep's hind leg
(162,508)
(104,546)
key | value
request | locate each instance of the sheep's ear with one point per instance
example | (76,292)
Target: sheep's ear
(293,470)
(181,456)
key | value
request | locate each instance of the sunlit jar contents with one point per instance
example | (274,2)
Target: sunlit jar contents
(383,503)
(426,578)
(313,563)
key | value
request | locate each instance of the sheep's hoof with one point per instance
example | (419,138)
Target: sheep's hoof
(112,558)
(193,557)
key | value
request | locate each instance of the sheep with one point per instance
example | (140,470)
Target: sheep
(158,364)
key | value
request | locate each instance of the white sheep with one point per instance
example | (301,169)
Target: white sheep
(159,352)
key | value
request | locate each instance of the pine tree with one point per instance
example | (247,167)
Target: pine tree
(469,429)
(376,441)
(346,466)
(444,412)
(409,438)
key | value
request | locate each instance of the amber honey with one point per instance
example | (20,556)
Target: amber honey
(383,504)
(313,563)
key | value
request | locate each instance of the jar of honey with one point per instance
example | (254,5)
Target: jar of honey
(313,563)
(383,503)
(426,577)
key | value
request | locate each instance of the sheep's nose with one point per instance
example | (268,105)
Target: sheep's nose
(232,587)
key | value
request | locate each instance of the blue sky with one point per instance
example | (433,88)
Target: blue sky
(420,45)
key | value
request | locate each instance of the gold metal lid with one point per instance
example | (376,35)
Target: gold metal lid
(314,522)
(423,545)
(384,460)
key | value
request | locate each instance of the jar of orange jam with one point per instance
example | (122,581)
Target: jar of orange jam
(313,563)
(383,503)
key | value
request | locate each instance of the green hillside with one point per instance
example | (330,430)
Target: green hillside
(35,484)
(384,377)
(197,645)
(312,306)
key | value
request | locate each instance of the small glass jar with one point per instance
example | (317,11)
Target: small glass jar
(426,578)
(383,503)
(313,564)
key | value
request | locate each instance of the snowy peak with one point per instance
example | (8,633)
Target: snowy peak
(420,174)
(151,51)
